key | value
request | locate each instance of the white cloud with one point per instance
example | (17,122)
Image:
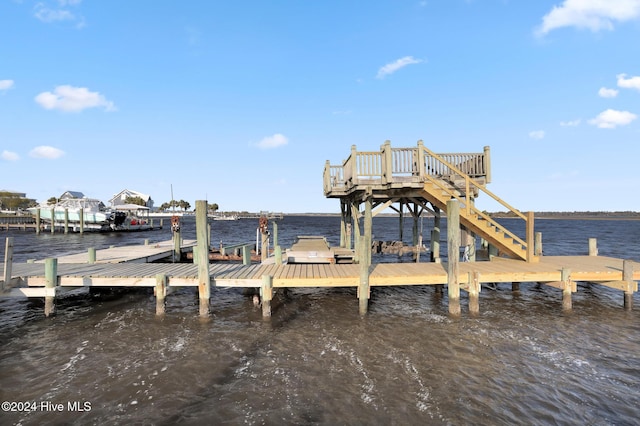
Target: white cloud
(594,15)
(47,14)
(392,67)
(274,141)
(74,99)
(607,93)
(571,123)
(610,119)
(9,156)
(47,152)
(6,84)
(537,134)
(628,83)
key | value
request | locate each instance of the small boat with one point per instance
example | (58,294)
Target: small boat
(224,217)
(94,214)
(130,217)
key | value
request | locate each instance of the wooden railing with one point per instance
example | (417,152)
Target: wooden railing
(467,201)
(391,165)
(461,175)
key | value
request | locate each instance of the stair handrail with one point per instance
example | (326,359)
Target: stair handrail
(479,185)
(473,209)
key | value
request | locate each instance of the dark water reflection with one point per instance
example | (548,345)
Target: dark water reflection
(522,360)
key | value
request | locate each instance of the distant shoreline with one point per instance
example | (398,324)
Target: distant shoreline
(537,215)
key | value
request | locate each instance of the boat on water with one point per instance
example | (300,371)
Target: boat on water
(94,215)
(130,217)
(224,217)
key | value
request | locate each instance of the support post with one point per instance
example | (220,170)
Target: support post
(487,164)
(204,279)
(343,225)
(66,220)
(177,253)
(53,219)
(38,221)
(161,293)
(627,275)
(474,292)
(278,254)
(530,239)
(275,234)
(267,295)
(593,247)
(453,244)
(565,277)
(435,237)
(348,227)
(537,246)
(365,258)
(50,283)
(92,255)
(8,262)
(401,224)
(246,255)
(81,221)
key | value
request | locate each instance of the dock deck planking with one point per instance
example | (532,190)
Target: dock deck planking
(128,268)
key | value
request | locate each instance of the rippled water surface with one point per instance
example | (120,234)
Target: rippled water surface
(522,360)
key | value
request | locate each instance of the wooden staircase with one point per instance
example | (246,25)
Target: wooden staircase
(438,190)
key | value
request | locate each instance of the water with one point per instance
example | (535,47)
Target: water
(521,361)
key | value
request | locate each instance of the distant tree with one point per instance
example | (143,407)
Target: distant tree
(212,207)
(12,201)
(135,200)
(51,201)
(184,205)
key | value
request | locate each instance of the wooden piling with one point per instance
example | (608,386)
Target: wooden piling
(66,220)
(204,279)
(38,221)
(453,244)
(267,295)
(246,255)
(529,231)
(51,281)
(92,255)
(593,247)
(627,277)
(567,286)
(161,293)
(474,292)
(53,220)
(435,237)
(82,221)
(275,233)
(278,254)
(365,258)
(8,262)
(537,246)
(177,253)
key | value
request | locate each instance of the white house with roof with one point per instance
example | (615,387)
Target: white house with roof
(71,195)
(120,197)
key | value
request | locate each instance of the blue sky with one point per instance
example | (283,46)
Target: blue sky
(241,103)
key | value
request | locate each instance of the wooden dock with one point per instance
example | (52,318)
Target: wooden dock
(562,272)
(411,177)
(602,270)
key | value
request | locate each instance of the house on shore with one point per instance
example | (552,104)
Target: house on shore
(121,197)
